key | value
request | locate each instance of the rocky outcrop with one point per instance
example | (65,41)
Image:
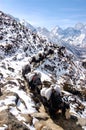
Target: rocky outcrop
(84,64)
(10,122)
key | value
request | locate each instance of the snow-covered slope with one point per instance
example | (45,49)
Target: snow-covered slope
(58,66)
(74,38)
(74,35)
(26,24)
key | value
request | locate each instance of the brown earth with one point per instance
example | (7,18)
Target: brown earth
(58,123)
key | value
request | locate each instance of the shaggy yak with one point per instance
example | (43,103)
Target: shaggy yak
(52,100)
(34,81)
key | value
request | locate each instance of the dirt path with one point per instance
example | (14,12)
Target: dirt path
(58,123)
(69,124)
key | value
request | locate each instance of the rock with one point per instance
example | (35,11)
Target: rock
(11,69)
(45,122)
(3,117)
(38,125)
(0,92)
(28,118)
(1,76)
(47,125)
(84,64)
(46,83)
(49,67)
(46,128)
(8,48)
(41,116)
(81,121)
(1,37)
(13,124)
(19,46)
(70,88)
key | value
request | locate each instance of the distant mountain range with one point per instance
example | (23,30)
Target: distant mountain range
(73,35)
(73,38)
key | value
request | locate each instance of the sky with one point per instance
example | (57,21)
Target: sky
(47,13)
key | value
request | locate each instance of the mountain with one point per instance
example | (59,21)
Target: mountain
(56,30)
(26,24)
(21,108)
(74,38)
(43,32)
(68,32)
(73,35)
(80,26)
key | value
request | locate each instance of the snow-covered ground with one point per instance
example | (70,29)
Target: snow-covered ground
(18,45)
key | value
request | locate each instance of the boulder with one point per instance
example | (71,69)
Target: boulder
(84,64)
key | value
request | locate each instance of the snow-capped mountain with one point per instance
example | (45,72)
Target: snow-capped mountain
(43,31)
(57,31)
(26,24)
(20,109)
(74,38)
(68,32)
(80,26)
(73,35)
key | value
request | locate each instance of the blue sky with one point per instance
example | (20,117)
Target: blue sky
(47,13)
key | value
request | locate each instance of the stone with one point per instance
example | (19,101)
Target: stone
(13,124)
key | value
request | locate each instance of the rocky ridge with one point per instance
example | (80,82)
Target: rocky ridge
(18,108)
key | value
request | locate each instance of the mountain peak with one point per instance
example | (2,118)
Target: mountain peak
(27,24)
(56,30)
(79,26)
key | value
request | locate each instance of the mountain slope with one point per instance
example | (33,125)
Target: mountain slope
(71,37)
(19,109)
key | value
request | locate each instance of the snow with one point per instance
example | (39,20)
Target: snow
(4,127)
(3,107)
(72,38)
(9,100)
(4,103)
(84,127)
(25,107)
(21,107)
(25,23)
(81,121)
(30,127)
(14,111)
(75,36)
(26,98)
(44,77)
